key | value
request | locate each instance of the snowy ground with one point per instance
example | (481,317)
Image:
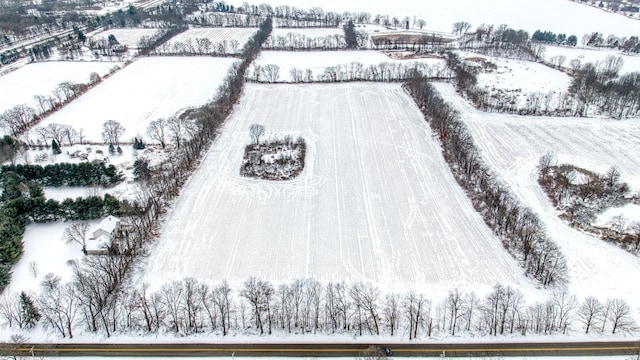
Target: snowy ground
(20,86)
(148,89)
(126,37)
(216,35)
(376,201)
(512,145)
(559,16)
(592,55)
(318,61)
(308,32)
(521,78)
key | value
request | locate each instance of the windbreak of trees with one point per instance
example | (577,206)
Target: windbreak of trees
(520,229)
(293,41)
(67,174)
(355,71)
(98,301)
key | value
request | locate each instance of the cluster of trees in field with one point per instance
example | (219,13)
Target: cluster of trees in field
(67,174)
(303,306)
(520,229)
(355,71)
(273,159)
(199,46)
(580,195)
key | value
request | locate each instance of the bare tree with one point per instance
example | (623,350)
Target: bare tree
(58,304)
(589,313)
(112,131)
(256,130)
(157,130)
(17,119)
(620,316)
(258,293)
(392,311)
(77,233)
(176,130)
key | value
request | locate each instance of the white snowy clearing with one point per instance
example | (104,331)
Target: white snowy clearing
(147,89)
(376,201)
(521,78)
(559,16)
(318,61)
(512,146)
(237,36)
(20,86)
(592,55)
(126,37)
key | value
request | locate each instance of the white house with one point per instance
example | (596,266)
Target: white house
(102,236)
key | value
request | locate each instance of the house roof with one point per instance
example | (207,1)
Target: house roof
(108,224)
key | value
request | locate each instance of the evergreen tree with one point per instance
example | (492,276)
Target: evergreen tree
(28,310)
(55,147)
(138,144)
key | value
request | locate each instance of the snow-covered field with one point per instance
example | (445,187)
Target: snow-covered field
(592,55)
(308,32)
(20,86)
(146,90)
(318,61)
(126,37)
(376,201)
(236,36)
(521,78)
(512,145)
(559,16)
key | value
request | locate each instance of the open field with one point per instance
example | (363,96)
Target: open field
(592,55)
(376,201)
(233,40)
(560,16)
(318,61)
(512,145)
(520,78)
(20,86)
(126,37)
(148,89)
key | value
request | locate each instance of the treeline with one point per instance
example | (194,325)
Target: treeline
(503,41)
(303,306)
(147,44)
(224,19)
(355,71)
(294,41)
(520,229)
(66,174)
(599,85)
(199,46)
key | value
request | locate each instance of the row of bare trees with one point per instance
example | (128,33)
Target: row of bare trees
(97,301)
(520,229)
(199,46)
(20,118)
(354,71)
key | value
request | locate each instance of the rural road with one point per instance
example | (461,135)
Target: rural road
(326,350)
